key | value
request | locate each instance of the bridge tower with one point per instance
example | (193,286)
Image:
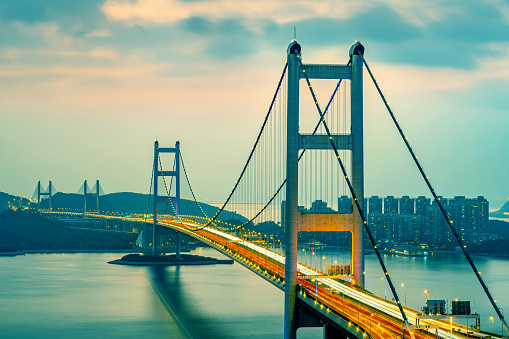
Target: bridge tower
(88,192)
(39,194)
(294,221)
(157,199)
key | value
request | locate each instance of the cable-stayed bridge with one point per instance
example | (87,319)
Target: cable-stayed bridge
(291,182)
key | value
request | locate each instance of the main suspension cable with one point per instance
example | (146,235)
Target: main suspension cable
(437,200)
(252,152)
(150,190)
(178,217)
(191,189)
(171,184)
(357,204)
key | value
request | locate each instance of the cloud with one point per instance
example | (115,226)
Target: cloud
(418,12)
(49,32)
(171,11)
(98,33)
(120,71)
(412,79)
(10,54)
(98,53)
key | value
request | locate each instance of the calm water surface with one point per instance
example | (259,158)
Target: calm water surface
(81,296)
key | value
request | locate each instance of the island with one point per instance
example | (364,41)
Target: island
(139,259)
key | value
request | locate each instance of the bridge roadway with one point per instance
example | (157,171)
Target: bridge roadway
(367,312)
(364,314)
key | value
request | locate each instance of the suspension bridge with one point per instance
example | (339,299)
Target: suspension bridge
(290,183)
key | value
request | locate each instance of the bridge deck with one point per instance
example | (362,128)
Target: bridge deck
(360,312)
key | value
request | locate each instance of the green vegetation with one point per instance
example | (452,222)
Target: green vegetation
(499,227)
(5,199)
(498,247)
(23,230)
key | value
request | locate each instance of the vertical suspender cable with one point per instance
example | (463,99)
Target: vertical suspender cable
(251,154)
(284,158)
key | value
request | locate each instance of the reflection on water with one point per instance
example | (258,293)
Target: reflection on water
(80,296)
(221,301)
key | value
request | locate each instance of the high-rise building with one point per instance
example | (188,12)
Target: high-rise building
(421,205)
(319,206)
(480,216)
(344,204)
(391,204)
(461,217)
(375,204)
(406,205)
(420,220)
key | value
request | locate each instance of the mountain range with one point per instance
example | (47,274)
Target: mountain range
(122,203)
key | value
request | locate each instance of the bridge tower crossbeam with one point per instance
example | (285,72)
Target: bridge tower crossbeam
(295,222)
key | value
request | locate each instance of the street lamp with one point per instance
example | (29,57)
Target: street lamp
(385,287)
(313,253)
(305,256)
(366,279)
(492,325)
(325,263)
(404,285)
(427,291)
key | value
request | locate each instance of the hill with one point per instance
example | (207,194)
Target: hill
(129,202)
(6,198)
(501,211)
(499,227)
(498,247)
(22,230)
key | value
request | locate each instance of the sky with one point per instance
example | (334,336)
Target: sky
(86,87)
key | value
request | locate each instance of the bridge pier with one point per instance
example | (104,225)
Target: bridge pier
(311,314)
(145,239)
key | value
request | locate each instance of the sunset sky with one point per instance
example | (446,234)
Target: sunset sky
(87,86)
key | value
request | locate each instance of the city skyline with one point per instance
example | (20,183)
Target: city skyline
(87,88)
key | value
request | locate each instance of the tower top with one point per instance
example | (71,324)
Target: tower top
(293,47)
(356,49)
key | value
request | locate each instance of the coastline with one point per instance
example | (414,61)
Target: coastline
(202,262)
(68,251)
